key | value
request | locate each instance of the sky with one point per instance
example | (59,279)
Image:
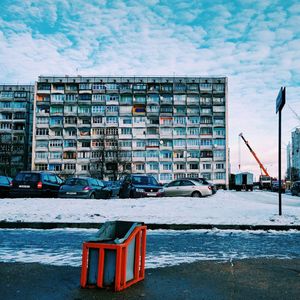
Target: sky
(256,44)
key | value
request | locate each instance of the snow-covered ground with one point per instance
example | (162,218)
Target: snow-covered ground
(226,207)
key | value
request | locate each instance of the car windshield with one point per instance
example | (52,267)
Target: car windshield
(3,180)
(144,180)
(76,181)
(27,177)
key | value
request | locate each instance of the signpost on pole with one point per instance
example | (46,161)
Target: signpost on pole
(280,101)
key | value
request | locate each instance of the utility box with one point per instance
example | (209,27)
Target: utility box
(115,257)
(243,181)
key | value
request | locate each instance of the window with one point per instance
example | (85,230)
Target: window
(126,100)
(56,109)
(153,166)
(220,166)
(140,143)
(125,143)
(55,143)
(194,166)
(69,166)
(139,120)
(166,109)
(166,154)
(193,142)
(219,153)
(83,154)
(193,130)
(98,97)
(152,154)
(55,155)
(41,155)
(111,120)
(179,143)
(194,120)
(126,131)
(206,111)
(179,131)
(206,101)
(179,99)
(98,109)
(180,166)
(206,166)
(139,87)
(111,131)
(70,108)
(84,109)
(85,86)
(167,166)
(206,86)
(112,86)
(207,176)
(178,154)
(58,97)
(180,120)
(41,167)
(193,154)
(219,142)
(70,143)
(85,97)
(138,153)
(112,109)
(219,131)
(42,131)
(152,143)
(71,87)
(220,175)
(166,121)
(85,167)
(85,144)
(206,154)
(56,121)
(219,120)
(192,87)
(97,120)
(6,95)
(70,120)
(42,144)
(206,120)
(165,177)
(153,99)
(20,94)
(98,87)
(71,98)
(112,98)
(206,142)
(206,130)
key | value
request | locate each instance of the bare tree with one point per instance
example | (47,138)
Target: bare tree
(111,159)
(6,153)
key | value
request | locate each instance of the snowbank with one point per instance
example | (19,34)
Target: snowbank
(226,207)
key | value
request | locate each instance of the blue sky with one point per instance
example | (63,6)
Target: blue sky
(255,43)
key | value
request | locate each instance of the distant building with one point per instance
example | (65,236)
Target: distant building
(16,108)
(170,127)
(296,152)
(288,160)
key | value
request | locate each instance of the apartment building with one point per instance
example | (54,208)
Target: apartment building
(16,108)
(170,127)
(295,155)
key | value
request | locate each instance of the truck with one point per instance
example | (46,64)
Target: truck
(243,181)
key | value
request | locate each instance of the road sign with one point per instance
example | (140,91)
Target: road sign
(280,100)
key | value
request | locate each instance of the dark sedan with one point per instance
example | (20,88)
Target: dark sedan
(84,187)
(5,186)
(295,190)
(137,186)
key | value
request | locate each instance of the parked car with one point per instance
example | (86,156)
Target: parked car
(35,184)
(84,187)
(114,186)
(137,186)
(5,186)
(206,182)
(187,187)
(275,186)
(295,190)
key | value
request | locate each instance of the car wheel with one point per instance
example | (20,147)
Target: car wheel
(196,194)
(92,196)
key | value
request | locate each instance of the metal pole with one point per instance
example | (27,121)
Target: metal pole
(279,163)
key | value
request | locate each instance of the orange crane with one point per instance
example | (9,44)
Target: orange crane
(264,180)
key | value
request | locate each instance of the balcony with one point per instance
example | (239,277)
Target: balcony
(138,159)
(125,136)
(152,159)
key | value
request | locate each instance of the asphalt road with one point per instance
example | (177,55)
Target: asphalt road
(241,279)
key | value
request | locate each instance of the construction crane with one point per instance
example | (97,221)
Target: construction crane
(264,180)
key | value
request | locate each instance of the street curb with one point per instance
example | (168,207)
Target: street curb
(50,225)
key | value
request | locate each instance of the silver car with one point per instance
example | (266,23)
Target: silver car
(187,187)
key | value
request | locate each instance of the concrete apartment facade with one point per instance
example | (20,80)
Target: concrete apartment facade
(295,152)
(16,111)
(170,127)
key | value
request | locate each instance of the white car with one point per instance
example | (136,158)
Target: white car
(187,187)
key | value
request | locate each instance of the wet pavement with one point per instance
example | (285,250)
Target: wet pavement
(164,247)
(241,279)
